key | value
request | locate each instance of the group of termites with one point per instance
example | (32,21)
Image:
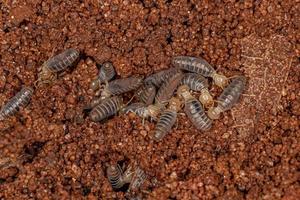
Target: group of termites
(163,94)
(160,97)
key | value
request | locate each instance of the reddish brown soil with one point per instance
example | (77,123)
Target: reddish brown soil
(250,153)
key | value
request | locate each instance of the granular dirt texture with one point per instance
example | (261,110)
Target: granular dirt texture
(51,150)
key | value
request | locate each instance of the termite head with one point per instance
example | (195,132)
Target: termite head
(45,76)
(220,80)
(175,104)
(205,98)
(152,111)
(105,93)
(214,112)
(184,92)
(95,84)
(182,89)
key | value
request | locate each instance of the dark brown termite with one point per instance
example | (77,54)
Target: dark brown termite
(158,78)
(167,119)
(200,66)
(146,93)
(120,86)
(229,97)
(56,64)
(106,73)
(21,99)
(198,83)
(194,109)
(106,108)
(168,88)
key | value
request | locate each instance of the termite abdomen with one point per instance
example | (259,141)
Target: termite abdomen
(198,83)
(231,94)
(196,114)
(114,175)
(195,81)
(158,78)
(137,108)
(21,99)
(164,124)
(229,97)
(167,119)
(137,180)
(194,109)
(106,108)
(192,64)
(168,88)
(94,102)
(61,61)
(146,93)
(120,86)
(200,66)
(106,72)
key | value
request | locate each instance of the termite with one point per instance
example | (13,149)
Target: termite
(146,93)
(94,102)
(21,99)
(200,66)
(142,110)
(194,109)
(167,119)
(198,83)
(134,107)
(106,108)
(56,64)
(117,177)
(138,178)
(106,73)
(158,78)
(168,88)
(120,86)
(114,175)
(229,97)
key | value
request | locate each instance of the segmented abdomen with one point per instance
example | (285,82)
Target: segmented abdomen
(195,81)
(138,179)
(121,86)
(94,102)
(106,108)
(168,88)
(138,108)
(158,78)
(196,114)
(114,175)
(192,64)
(21,99)
(231,93)
(164,124)
(107,72)
(146,93)
(61,61)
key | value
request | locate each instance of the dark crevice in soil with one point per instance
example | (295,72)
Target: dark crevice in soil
(169,39)
(32,150)
(86,190)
